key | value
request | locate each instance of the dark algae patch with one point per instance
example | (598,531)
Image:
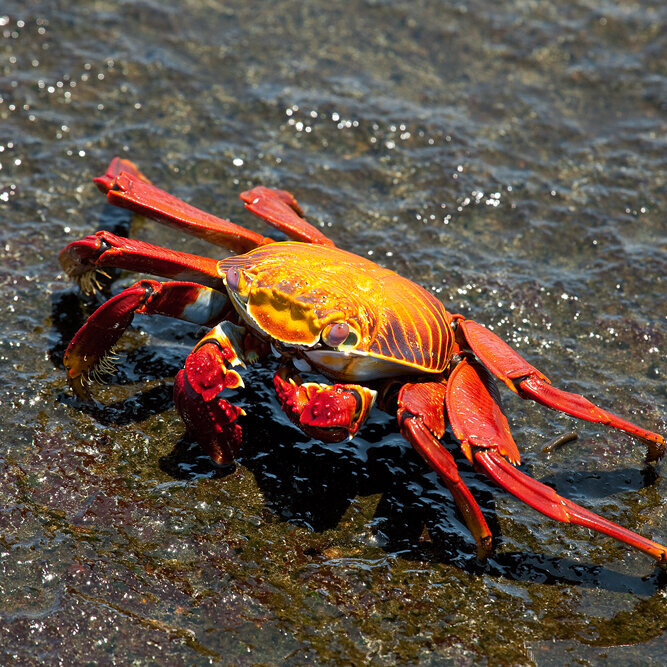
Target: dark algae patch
(507,156)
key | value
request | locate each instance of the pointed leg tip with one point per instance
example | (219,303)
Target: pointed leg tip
(655,450)
(80,387)
(104,183)
(118,165)
(484,549)
(660,554)
(220,454)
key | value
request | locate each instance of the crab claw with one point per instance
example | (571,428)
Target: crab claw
(208,417)
(330,413)
(213,423)
(206,365)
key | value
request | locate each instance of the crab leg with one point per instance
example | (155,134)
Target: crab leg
(479,423)
(280,209)
(81,259)
(422,423)
(118,164)
(90,346)
(528,382)
(209,417)
(329,413)
(127,187)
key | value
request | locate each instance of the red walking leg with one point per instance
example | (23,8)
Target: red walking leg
(127,187)
(83,258)
(421,419)
(280,209)
(90,346)
(524,379)
(479,423)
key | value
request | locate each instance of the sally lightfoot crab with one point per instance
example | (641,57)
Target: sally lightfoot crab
(380,338)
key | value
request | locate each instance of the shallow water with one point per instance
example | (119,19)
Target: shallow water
(507,155)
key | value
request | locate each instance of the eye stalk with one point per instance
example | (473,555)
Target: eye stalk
(339,334)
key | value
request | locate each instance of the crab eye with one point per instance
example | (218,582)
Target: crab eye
(233,278)
(339,334)
(336,334)
(238,281)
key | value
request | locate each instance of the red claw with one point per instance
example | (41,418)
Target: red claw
(207,374)
(213,423)
(209,417)
(331,408)
(329,413)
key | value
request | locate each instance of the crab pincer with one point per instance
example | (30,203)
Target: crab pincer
(330,413)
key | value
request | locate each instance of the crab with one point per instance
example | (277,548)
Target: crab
(377,337)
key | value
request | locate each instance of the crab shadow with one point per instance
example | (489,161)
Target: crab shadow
(313,484)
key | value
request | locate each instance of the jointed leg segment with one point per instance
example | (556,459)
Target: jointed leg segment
(524,379)
(127,187)
(421,419)
(84,257)
(94,341)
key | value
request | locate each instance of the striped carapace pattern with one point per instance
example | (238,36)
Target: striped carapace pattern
(413,326)
(396,318)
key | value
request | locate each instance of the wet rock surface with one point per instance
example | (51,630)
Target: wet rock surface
(508,156)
